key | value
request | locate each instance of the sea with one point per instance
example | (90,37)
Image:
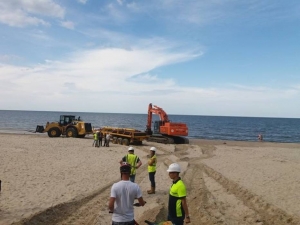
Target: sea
(284,130)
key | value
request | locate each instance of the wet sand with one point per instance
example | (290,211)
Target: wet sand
(67,181)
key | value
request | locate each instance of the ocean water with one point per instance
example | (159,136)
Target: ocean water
(205,127)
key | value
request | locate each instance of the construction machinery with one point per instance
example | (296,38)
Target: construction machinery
(165,131)
(68,125)
(124,136)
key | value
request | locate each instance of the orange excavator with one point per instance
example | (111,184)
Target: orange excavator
(165,131)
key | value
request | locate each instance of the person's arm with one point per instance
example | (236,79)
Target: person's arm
(122,160)
(139,163)
(111,204)
(151,161)
(141,201)
(186,210)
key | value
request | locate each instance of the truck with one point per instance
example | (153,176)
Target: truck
(124,136)
(67,125)
(165,131)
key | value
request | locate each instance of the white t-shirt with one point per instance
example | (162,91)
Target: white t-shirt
(124,192)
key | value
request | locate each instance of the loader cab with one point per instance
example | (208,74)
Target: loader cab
(66,119)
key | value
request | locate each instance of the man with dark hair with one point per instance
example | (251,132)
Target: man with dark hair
(122,196)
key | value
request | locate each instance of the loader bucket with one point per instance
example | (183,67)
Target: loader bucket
(39,129)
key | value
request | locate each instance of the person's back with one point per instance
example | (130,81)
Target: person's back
(122,197)
(125,193)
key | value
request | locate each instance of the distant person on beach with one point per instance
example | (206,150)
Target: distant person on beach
(104,141)
(95,143)
(260,137)
(133,160)
(107,138)
(152,169)
(78,118)
(100,136)
(122,196)
(178,211)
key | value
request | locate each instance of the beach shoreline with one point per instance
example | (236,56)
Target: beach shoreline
(67,181)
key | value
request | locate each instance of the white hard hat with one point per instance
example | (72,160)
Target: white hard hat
(153,149)
(174,167)
(130,149)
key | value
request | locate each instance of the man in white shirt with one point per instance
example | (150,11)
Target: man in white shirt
(122,196)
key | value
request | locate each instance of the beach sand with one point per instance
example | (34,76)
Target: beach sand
(67,181)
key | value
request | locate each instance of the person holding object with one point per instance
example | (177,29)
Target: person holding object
(178,211)
(152,169)
(133,160)
(122,196)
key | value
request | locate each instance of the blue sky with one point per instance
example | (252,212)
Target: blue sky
(194,57)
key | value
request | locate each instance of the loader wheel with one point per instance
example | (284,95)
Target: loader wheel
(125,141)
(119,140)
(114,140)
(71,132)
(54,132)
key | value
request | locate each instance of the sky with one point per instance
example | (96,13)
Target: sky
(189,57)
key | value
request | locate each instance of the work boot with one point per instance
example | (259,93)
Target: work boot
(152,191)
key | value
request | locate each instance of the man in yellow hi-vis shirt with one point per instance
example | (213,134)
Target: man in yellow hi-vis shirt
(152,169)
(178,211)
(133,160)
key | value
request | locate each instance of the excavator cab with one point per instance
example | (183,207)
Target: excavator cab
(156,127)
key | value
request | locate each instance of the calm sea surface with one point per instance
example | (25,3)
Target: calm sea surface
(204,127)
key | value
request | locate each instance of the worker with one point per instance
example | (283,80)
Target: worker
(122,196)
(178,211)
(152,169)
(104,141)
(133,160)
(95,143)
(107,139)
(100,136)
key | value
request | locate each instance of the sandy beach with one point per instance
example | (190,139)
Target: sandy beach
(67,181)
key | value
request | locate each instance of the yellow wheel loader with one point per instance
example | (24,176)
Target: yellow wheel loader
(68,125)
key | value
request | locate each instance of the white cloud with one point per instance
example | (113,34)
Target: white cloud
(21,13)
(68,24)
(82,1)
(119,80)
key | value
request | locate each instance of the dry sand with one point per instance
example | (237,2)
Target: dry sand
(67,181)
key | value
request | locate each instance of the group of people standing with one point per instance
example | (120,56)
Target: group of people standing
(124,192)
(98,136)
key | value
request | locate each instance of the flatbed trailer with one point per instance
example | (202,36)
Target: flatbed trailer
(125,136)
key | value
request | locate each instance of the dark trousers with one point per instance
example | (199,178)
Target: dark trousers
(123,223)
(100,142)
(152,178)
(104,143)
(176,220)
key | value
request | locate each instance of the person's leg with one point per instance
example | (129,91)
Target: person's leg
(176,221)
(152,181)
